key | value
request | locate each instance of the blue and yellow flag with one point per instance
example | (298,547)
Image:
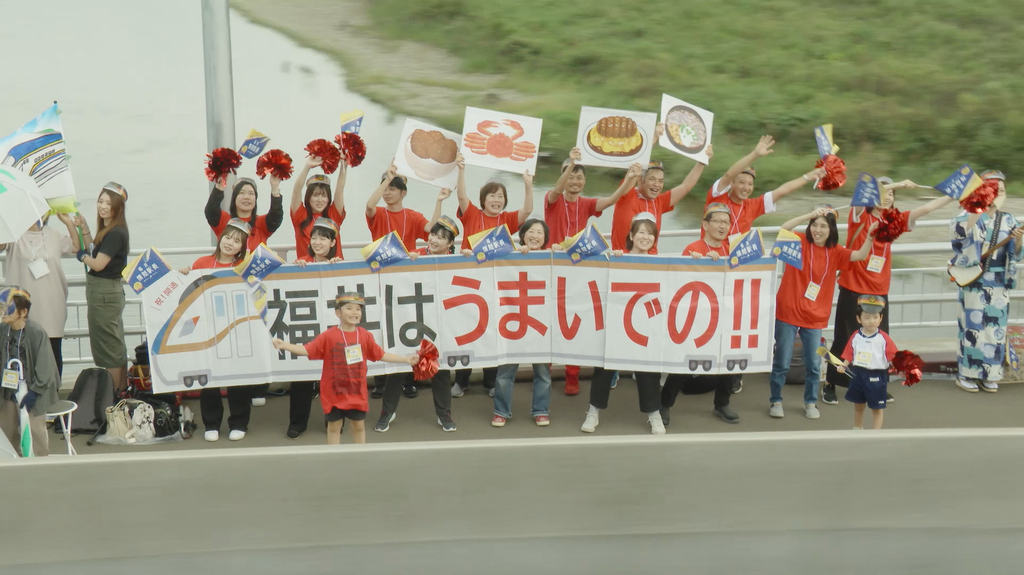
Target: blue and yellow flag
(585,245)
(259,301)
(823,137)
(789,249)
(492,244)
(146,270)
(868,193)
(352,121)
(253,144)
(385,251)
(745,248)
(6,305)
(258,265)
(960,184)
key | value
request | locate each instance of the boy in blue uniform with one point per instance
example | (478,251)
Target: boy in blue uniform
(869,350)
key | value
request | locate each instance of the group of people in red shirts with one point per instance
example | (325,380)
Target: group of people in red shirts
(803,301)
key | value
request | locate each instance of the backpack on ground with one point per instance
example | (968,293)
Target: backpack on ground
(94,393)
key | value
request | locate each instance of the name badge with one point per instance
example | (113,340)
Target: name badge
(354,354)
(10,379)
(38,268)
(862,359)
(812,291)
(875,264)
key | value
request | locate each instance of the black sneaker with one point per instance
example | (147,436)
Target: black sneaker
(446,423)
(410,391)
(664,416)
(737,385)
(726,414)
(378,392)
(384,423)
(889,398)
(293,433)
(828,394)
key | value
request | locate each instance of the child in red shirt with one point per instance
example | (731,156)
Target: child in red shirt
(230,251)
(344,351)
(493,199)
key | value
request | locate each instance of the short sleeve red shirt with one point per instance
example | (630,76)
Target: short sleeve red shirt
(820,266)
(858,279)
(210,263)
(409,224)
(260,233)
(474,221)
(632,203)
(743,213)
(343,385)
(422,251)
(302,235)
(701,247)
(566,219)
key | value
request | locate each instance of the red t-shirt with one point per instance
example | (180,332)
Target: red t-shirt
(422,251)
(260,233)
(820,266)
(211,263)
(632,203)
(409,224)
(474,221)
(858,279)
(702,248)
(302,235)
(566,219)
(343,385)
(743,213)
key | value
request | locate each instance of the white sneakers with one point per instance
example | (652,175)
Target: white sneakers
(775,410)
(657,426)
(590,423)
(211,435)
(259,401)
(457,391)
(811,411)
(236,434)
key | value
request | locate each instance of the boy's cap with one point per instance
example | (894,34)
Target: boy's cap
(349,297)
(871,303)
(449,224)
(648,216)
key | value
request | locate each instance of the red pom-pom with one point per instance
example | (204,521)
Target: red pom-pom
(980,199)
(909,363)
(276,163)
(892,223)
(220,162)
(428,365)
(835,172)
(327,152)
(352,147)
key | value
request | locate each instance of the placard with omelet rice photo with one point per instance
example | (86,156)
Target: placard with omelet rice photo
(615,138)
(687,128)
(427,154)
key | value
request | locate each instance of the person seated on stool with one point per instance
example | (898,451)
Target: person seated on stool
(26,340)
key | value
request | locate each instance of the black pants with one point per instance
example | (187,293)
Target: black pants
(490,375)
(379,381)
(647,387)
(846,325)
(57,343)
(259,390)
(687,384)
(440,387)
(239,403)
(300,404)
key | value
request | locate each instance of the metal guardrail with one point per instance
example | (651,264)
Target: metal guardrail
(76,333)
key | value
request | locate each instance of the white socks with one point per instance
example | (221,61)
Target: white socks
(654,415)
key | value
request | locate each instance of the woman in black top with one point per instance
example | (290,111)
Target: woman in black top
(106,259)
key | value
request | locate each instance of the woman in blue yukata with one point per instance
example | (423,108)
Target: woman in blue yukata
(985,303)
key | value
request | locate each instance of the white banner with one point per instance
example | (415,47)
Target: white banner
(650,313)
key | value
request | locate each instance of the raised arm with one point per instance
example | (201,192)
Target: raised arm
(300,182)
(927,208)
(275,216)
(371,204)
(762,149)
(679,192)
(441,197)
(339,187)
(788,226)
(293,348)
(632,174)
(862,253)
(574,156)
(214,202)
(460,188)
(794,185)
(528,200)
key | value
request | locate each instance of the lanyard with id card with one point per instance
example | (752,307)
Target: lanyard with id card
(876,263)
(13,374)
(814,287)
(38,268)
(353,353)
(862,359)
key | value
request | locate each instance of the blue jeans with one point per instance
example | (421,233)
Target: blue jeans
(507,378)
(785,335)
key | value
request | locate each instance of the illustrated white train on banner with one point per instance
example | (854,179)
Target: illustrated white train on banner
(665,314)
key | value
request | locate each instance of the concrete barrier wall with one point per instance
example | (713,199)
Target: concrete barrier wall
(836,502)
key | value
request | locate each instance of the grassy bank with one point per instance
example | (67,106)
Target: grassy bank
(914,87)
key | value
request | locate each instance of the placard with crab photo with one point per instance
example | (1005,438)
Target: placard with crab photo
(501,141)
(615,138)
(427,154)
(687,128)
